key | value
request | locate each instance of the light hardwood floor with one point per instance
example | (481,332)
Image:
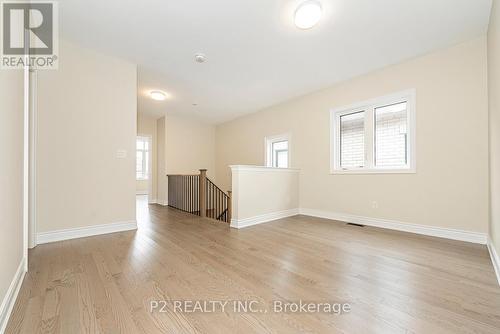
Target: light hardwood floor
(394,282)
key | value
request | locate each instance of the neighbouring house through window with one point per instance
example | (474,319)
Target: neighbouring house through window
(377,136)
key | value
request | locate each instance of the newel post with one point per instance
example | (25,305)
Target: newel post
(229,206)
(203,193)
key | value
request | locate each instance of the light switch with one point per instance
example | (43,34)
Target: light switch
(121,154)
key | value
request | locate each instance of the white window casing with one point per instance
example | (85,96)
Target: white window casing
(275,155)
(392,118)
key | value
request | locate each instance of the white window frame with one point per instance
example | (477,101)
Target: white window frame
(369,107)
(150,150)
(268,148)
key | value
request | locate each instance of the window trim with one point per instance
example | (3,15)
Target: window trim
(268,148)
(147,138)
(369,107)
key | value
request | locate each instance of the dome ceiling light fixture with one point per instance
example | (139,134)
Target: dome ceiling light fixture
(158,95)
(200,58)
(308,14)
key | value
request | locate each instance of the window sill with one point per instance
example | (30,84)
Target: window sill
(374,171)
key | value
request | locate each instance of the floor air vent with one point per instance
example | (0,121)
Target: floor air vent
(357,225)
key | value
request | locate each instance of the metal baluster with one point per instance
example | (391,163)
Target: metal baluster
(212,195)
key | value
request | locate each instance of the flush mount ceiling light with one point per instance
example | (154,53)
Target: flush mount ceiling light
(200,58)
(308,14)
(158,95)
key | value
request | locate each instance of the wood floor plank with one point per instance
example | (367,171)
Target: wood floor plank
(394,282)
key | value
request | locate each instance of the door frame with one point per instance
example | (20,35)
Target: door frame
(26,162)
(150,164)
(33,139)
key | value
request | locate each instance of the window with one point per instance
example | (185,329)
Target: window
(352,140)
(277,151)
(143,155)
(391,135)
(376,136)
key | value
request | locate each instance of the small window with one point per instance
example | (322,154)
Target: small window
(376,136)
(143,155)
(277,151)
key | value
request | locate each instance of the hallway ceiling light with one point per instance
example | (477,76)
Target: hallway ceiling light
(200,58)
(158,95)
(308,14)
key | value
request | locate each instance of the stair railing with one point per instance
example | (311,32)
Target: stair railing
(198,195)
(183,193)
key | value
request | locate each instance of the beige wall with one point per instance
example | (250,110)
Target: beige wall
(142,186)
(262,193)
(190,146)
(162,187)
(494,107)
(146,126)
(450,188)
(86,113)
(184,147)
(11,178)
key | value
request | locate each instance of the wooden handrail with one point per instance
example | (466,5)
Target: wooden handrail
(217,202)
(197,194)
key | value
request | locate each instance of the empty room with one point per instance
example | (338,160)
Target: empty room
(250,166)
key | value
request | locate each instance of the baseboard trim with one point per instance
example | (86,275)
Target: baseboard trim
(81,232)
(11,295)
(468,236)
(495,259)
(246,222)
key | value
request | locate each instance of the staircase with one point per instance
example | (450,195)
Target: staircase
(198,195)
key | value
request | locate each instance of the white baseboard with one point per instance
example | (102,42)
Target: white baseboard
(160,202)
(73,233)
(474,237)
(241,223)
(10,297)
(495,259)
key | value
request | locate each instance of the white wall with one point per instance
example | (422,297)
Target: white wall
(146,126)
(87,111)
(494,108)
(450,188)
(11,181)
(261,194)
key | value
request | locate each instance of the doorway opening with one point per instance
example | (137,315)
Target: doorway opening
(144,153)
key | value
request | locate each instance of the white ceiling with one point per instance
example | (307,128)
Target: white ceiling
(256,56)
